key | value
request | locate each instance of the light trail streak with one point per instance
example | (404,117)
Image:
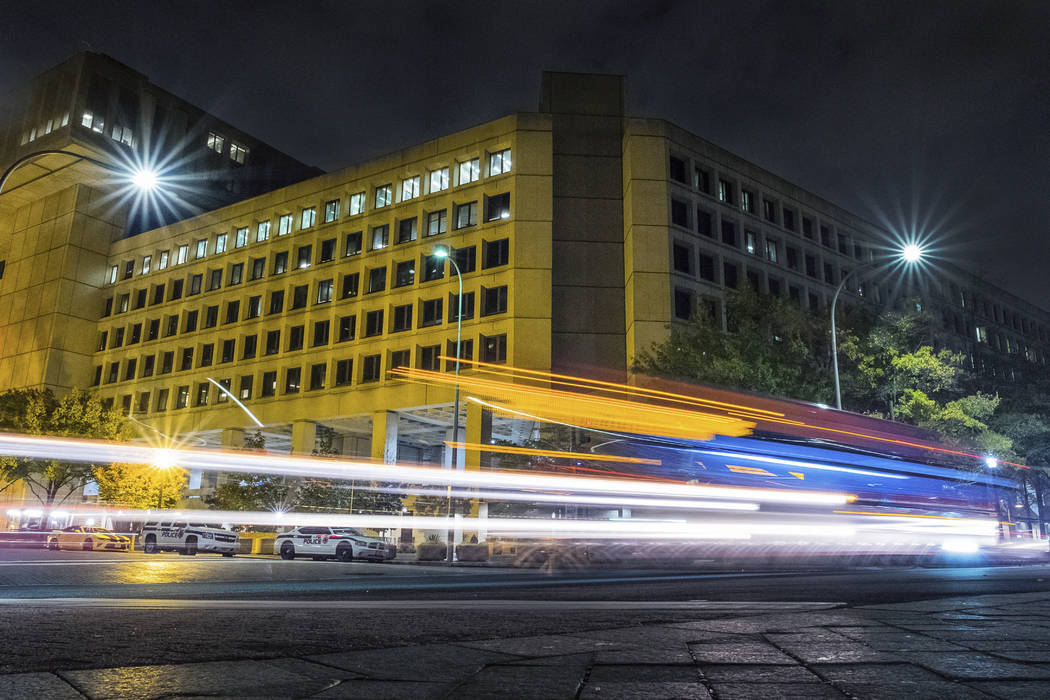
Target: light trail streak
(796,463)
(76,450)
(506,449)
(581,499)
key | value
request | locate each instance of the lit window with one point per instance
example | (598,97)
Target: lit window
(725,191)
(494,348)
(309,217)
(331,211)
(304,256)
(437,222)
(357,203)
(410,188)
(262,231)
(122,134)
(146,263)
(499,162)
(439,180)
(771,250)
(466,214)
(113,274)
(220,243)
(750,243)
(406,230)
(202,248)
(324,291)
(497,207)
(353,244)
(241,239)
(384,196)
(469,171)
(380,237)
(163,262)
(216,142)
(238,153)
(284,225)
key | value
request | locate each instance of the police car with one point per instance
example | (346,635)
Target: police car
(188,538)
(342,543)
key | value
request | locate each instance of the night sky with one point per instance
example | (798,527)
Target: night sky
(919,115)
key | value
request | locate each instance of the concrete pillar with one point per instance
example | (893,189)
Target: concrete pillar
(304,436)
(478,431)
(233,438)
(384,436)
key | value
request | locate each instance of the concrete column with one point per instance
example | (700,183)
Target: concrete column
(233,438)
(384,436)
(478,431)
(304,436)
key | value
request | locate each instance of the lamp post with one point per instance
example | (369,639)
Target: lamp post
(143,179)
(443,252)
(910,254)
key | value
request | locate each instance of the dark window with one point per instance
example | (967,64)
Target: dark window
(725,192)
(153,329)
(353,244)
(347,328)
(825,236)
(679,213)
(254,307)
(98,375)
(703,223)
(701,180)
(187,359)
(300,294)
(327,251)
(317,375)
(173,325)
(167,362)
(114,372)
(428,358)
(729,233)
(371,366)
(277,301)
(190,323)
(493,301)
(304,256)
(494,348)
(795,294)
(344,372)
(730,275)
(258,268)
(273,342)
(229,350)
(774,286)
(466,352)
(233,311)
(405,273)
(295,337)
(400,358)
(683,304)
(102,338)
(129,269)
(433,268)
(350,285)
(707,267)
(292,379)
(245,391)
(376,279)
(829,273)
(789,219)
(406,230)
(683,259)
(269,384)
(140,299)
(497,207)
(769,210)
(280,262)
(129,369)
(195,284)
(495,253)
(431,313)
(176,290)
(843,244)
(122,304)
(158,294)
(250,347)
(148,363)
(182,397)
(236,273)
(211,316)
(136,333)
(374,323)
(466,214)
(791,255)
(453,306)
(321,332)
(747,201)
(811,266)
(754,280)
(677,169)
(465,258)
(214,279)
(402,318)
(118,338)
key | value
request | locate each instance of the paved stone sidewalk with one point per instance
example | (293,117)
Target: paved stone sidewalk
(973,647)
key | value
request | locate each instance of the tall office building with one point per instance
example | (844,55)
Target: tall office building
(581,234)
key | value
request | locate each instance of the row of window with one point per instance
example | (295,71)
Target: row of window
(427,312)
(217,142)
(403,273)
(464,214)
(492,348)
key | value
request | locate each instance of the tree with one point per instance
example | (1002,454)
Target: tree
(139,486)
(254,491)
(40,412)
(772,347)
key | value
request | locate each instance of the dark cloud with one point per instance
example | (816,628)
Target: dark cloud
(934,112)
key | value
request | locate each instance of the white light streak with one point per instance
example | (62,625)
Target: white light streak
(795,463)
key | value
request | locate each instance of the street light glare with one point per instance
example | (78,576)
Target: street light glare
(912,253)
(164,459)
(145,179)
(440,252)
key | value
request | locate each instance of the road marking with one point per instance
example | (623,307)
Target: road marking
(618,605)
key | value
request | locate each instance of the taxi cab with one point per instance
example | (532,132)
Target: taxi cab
(88,539)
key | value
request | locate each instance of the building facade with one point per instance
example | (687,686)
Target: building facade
(580,234)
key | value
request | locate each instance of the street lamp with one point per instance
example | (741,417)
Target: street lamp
(142,178)
(442,252)
(910,254)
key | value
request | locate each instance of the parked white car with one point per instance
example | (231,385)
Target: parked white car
(342,543)
(188,538)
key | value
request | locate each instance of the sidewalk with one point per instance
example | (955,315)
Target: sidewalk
(969,647)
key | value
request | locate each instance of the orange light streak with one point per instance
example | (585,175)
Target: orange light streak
(478,447)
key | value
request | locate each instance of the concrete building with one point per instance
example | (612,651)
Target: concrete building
(581,233)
